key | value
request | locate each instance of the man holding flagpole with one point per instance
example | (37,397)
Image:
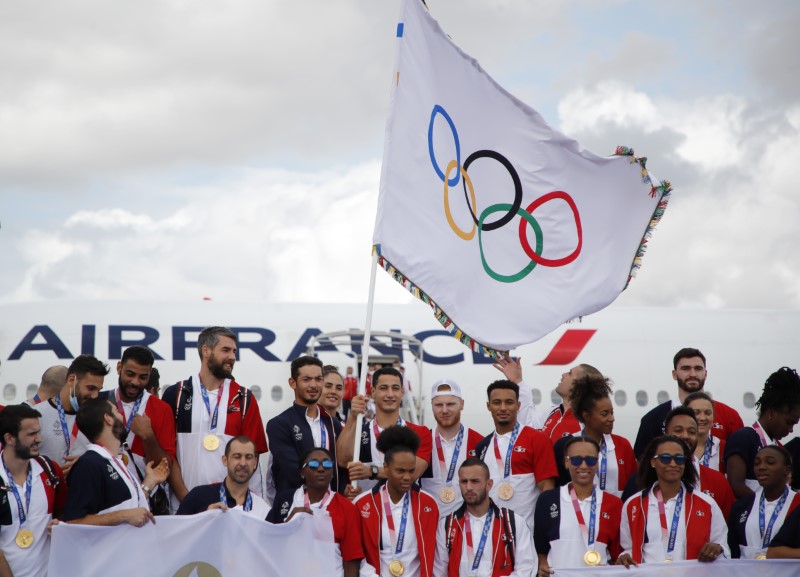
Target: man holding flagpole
(387,391)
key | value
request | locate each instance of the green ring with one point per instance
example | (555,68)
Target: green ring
(539,242)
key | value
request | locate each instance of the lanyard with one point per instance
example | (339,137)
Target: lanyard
(454,459)
(62,416)
(476,556)
(323,434)
(213,417)
(23,511)
(762,434)
(766,535)
(507,465)
(588,534)
(706,458)
(323,504)
(376,432)
(676,517)
(136,404)
(387,510)
(602,471)
(223,497)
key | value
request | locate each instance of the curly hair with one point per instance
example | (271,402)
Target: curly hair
(397,439)
(586,391)
(781,391)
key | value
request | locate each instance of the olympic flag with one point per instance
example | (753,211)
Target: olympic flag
(504,226)
(211,544)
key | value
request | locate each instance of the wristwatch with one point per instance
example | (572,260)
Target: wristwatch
(373,472)
(146,489)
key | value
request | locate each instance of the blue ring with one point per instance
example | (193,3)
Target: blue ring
(438,109)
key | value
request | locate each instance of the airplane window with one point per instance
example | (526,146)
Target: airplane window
(620,398)
(256,392)
(10,392)
(537,396)
(555,398)
(277,393)
(641,398)
(662,397)
(31,391)
(749,400)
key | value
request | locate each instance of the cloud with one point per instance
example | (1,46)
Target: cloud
(266,235)
(727,237)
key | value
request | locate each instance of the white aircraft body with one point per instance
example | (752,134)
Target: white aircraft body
(632,346)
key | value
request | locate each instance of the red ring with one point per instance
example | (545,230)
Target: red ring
(555,262)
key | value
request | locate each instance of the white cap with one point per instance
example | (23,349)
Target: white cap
(446,387)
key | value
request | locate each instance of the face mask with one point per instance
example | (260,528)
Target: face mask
(73,400)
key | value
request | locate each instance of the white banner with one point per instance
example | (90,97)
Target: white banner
(506,227)
(734,568)
(211,544)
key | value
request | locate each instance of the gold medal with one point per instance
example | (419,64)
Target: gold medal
(447,494)
(761,557)
(24,538)
(591,558)
(211,442)
(397,568)
(505,491)
(125,459)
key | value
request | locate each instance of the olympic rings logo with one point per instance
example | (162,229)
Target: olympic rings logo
(460,172)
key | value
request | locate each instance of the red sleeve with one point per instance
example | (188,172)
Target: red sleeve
(163,425)
(626,460)
(425,441)
(350,541)
(253,427)
(544,460)
(473,438)
(726,496)
(61,490)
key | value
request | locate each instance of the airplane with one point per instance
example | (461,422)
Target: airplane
(632,346)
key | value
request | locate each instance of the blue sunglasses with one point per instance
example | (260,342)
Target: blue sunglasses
(314,464)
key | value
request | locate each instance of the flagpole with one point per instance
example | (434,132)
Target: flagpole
(362,381)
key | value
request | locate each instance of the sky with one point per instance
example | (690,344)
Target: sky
(174,150)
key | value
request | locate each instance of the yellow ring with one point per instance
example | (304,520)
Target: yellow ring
(465,235)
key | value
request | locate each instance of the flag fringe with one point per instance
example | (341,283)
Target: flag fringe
(440,315)
(664,190)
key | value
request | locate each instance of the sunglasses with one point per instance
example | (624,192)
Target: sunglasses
(577,460)
(314,465)
(665,459)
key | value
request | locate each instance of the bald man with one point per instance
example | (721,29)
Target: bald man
(52,380)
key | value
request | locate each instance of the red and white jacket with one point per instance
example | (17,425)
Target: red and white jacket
(425,514)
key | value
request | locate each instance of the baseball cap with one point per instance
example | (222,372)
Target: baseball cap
(454,389)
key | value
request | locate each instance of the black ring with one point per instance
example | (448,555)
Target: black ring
(517,189)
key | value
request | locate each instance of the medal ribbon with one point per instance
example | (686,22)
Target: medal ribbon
(765,440)
(23,511)
(376,432)
(62,416)
(223,497)
(507,466)
(213,417)
(766,535)
(588,534)
(387,510)
(476,556)
(36,399)
(676,517)
(323,434)
(136,404)
(454,459)
(706,458)
(326,498)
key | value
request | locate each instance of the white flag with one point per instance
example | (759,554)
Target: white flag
(506,227)
(211,544)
